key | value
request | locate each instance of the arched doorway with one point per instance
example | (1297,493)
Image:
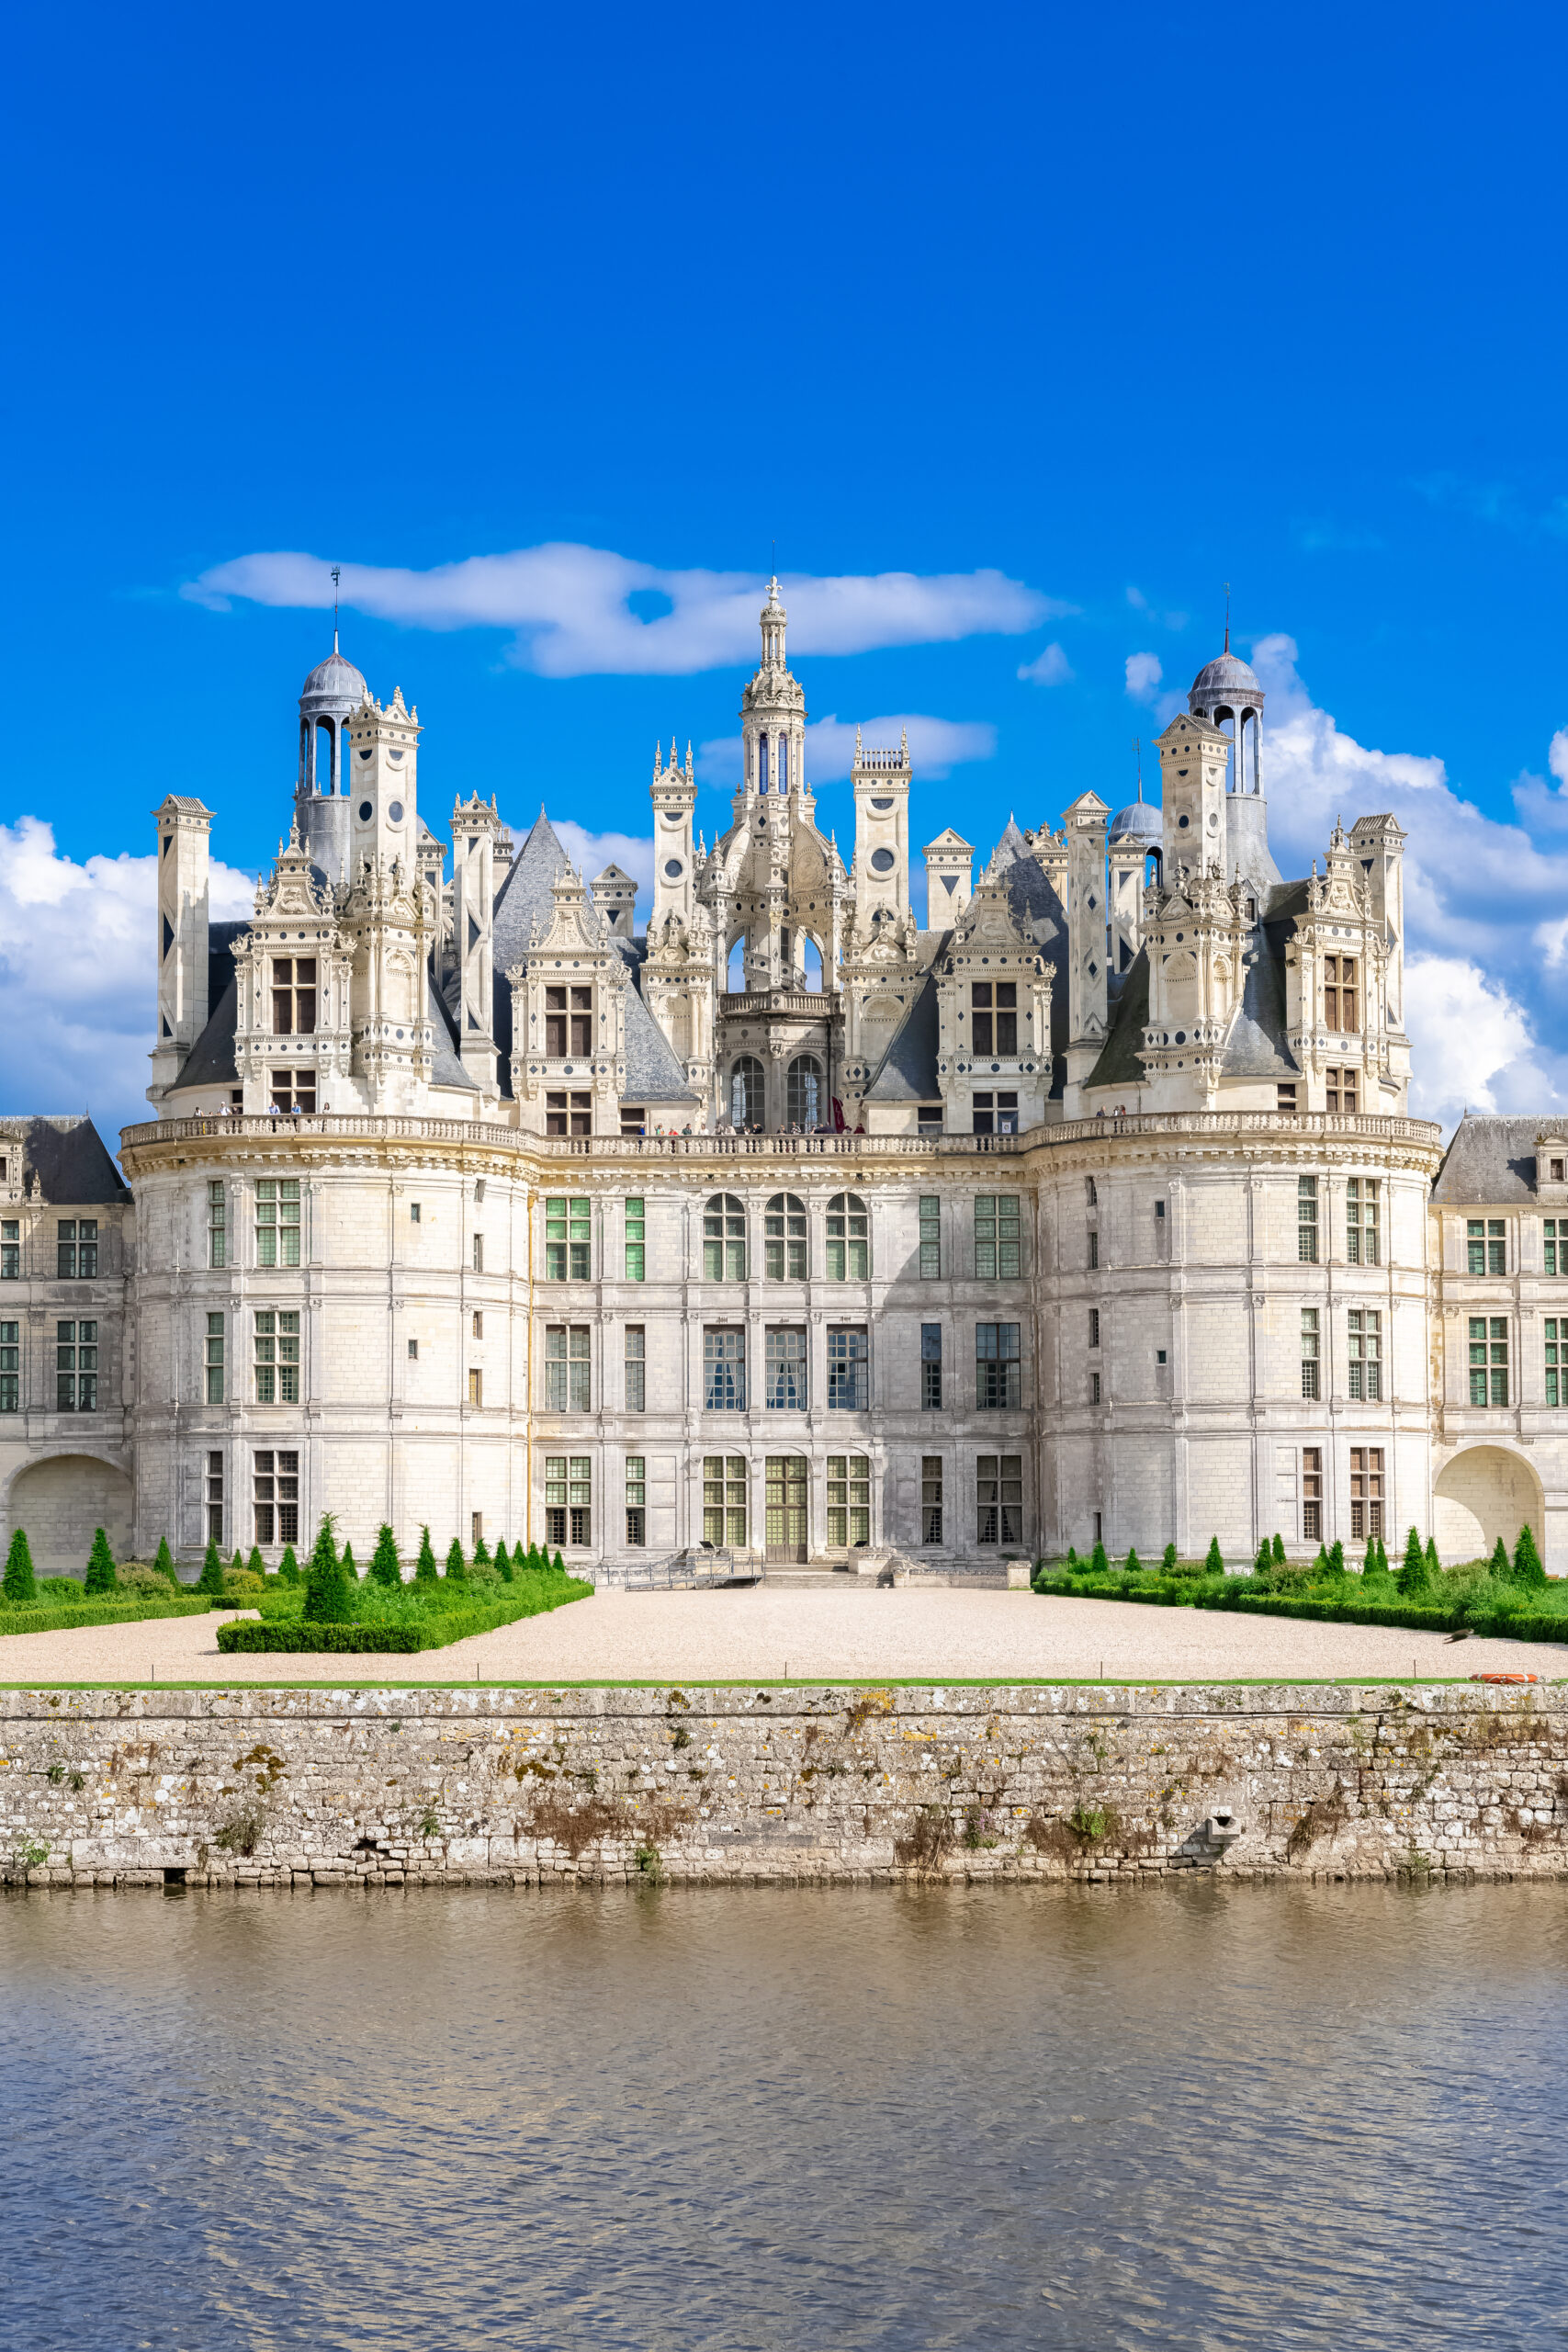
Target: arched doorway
(60,1502)
(802,1092)
(1484,1493)
(786,1522)
(747,1092)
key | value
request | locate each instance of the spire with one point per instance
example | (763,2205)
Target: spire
(1227,616)
(337,573)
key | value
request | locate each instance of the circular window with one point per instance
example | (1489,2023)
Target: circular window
(395,813)
(365,755)
(1180,823)
(394,756)
(1181,1036)
(882,861)
(673,869)
(881,805)
(365,812)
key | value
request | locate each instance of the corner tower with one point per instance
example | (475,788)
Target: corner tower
(183,828)
(773,716)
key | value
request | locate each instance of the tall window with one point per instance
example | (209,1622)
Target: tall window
(11,1250)
(1306,1220)
(723,1501)
(1339,1091)
(636,1503)
(1310,1356)
(277,1221)
(569,1022)
(848,1238)
(76,1247)
(998,1499)
(476,1386)
(634,1241)
(293,996)
(931,1499)
(783,1388)
(1366,1354)
(278,1356)
(569,1238)
(784,1245)
(723,1240)
(1557,1244)
(76,1367)
(997,1248)
(849,1372)
(849,1501)
(569,1114)
(1093,1248)
(1340,990)
(1486,1245)
(746,1092)
(275,1495)
(761,764)
(997,1367)
(636,1368)
(1094,1326)
(217,1225)
(10,1367)
(931,1367)
(724,1372)
(1361,1244)
(996,1114)
(215,1497)
(931,1237)
(993,1025)
(1312,1493)
(803,1092)
(568,1368)
(1488,1360)
(1366,1492)
(213,1358)
(292,1089)
(1556,1359)
(478,1241)
(569,1495)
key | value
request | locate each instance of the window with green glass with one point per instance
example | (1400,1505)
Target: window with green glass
(997,1246)
(277,1221)
(1557,1244)
(848,1238)
(724,1499)
(1485,1246)
(634,1241)
(1488,1359)
(931,1237)
(723,1240)
(569,1238)
(1557,1359)
(849,1501)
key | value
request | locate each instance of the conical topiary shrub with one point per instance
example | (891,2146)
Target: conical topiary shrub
(503,1562)
(1528,1567)
(326,1587)
(385,1566)
(1336,1558)
(1279,1550)
(20,1584)
(1320,1566)
(288,1566)
(1382,1557)
(1501,1567)
(1214,1559)
(236,1566)
(1134,1566)
(1099,1565)
(211,1580)
(101,1577)
(350,1572)
(456,1566)
(1265,1559)
(1434,1565)
(1414,1577)
(1370,1564)
(255,1566)
(164,1563)
(559,1565)
(424,1568)
(1167,1560)
(481,1557)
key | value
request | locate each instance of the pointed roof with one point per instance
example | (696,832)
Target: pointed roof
(1008,850)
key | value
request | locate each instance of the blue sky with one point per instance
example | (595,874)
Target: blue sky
(1115,305)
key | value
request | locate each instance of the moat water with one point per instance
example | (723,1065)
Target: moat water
(1194,2117)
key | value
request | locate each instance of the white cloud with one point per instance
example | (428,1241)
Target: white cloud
(591,852)
(1049,668)
(1140,604)
(936,746)
(1144,675)
(572,610)
(78,975)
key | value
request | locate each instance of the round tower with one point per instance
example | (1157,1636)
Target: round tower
(331,694)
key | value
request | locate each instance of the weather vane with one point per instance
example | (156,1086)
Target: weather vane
(336,575)
(1227,615)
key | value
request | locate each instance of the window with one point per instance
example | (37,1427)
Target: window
(783,1389)
(476,1386)
(849,1372)
(1306,1220)
(723,1501)
(217,1225)
(214,1359)
(76,1367)
(1340,992)
(413,1351)
(215,1497)
(478,1253)
(1285,1100)
(291,1090)
(1366,1492)
(746,1092)
(636,1503)
(634,1241)
(1362,1220)
(413,1212)
(802,1092)
(1341,1094)
(566,1368)
(278,1356)
(849,1242)
(1312,1493)
(1094,1326)
(277,1221)
(1310,1358)
(993,1027)
(569,1238)
(1486,1244)
(996,1115)
(1556,1259)
(636,1368)
(724,1372)
(931,1499)
(849,1501)
(11,1250)
(723,1240)
(475,1528)
(998,1499)
(1488,1360)
(1091,1191)
(784,1244)
(275,1496)
(479,1325)
(997,1368)
(1366,1353)
(931,1367)
(1556,1360)
(931,1237)
(1094,1388)
(10,1367)
(569,1114)
(1093,1249)
(997,1246)
(568,1021)
(294,996)
(76,1249)
(569,1495)
(929,1119)
(633,1119)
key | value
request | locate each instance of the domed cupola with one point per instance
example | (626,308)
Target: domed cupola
(334,690)
(1226,689)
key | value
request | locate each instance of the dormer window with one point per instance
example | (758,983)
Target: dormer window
(568,1021)
(994,1025)
(1340,992)
(294,996)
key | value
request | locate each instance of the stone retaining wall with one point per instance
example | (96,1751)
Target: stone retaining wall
(831,1784)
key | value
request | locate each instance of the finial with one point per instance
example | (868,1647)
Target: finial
(1227,615)
(1138,757)
(336,575)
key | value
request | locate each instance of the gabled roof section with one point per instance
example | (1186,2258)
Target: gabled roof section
(1491,1161)
(210,1061)
(68,1157)
(1257,1046)
(445,1068)
(653,1070)
(906,1073)
(523,898)
(1121,1062)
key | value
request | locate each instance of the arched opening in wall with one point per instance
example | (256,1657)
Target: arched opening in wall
(810,963)
(1225,721)
(1152,870)
(325,780)
(735,970)
(1484,1493)
(1247,754)
(61,1501)
(746,1092)
(305,742)
(804,1096)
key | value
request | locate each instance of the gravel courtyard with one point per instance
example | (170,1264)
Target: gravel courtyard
(857,1636)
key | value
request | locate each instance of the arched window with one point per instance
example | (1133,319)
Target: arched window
(803,1092)
(784,1247)
(761,764)
(848,1238)
(723,1240)
(746,1092)
(784,763)
(810,964)
(327,762)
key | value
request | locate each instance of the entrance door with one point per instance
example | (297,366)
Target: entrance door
(786,1512)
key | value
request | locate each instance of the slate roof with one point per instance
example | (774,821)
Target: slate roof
(69,1159)
(906,1073)
(1118,1063)
(1257,1046)
(1492,1158)
(445,1070)
(210,1061)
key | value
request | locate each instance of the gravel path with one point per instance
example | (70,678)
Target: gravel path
(857,1636)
